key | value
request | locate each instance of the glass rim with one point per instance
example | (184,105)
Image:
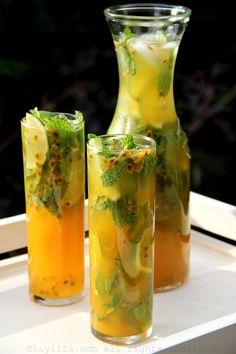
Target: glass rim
(176,12)
(70,116)
(151,142)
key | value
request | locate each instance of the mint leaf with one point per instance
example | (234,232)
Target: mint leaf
(142,313)
(105,285)
(50,198)
(112,175)
(120,209)
(116,299)
(101,203)
(109,307)
(128,142)
(63,128)
(148,167)
(112,282)
(110,290)
(130,66)
(105,150)
(91,136)
(121,214)
(165,76)
(107,153)
(128,33)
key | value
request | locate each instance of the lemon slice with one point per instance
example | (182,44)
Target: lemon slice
(36,142)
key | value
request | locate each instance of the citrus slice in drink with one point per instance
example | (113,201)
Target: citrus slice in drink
(144,251)
(136,258)
(36,142)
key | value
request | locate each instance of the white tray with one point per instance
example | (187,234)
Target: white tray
(199,317)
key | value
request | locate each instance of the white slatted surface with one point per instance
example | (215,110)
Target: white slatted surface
(198,317)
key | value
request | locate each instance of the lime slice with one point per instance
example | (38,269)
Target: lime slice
(35,142)
(136,258)
(144,251)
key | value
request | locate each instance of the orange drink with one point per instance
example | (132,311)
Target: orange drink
(53,156)
(121,187)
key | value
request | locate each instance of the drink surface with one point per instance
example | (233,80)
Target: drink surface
(53,155)
(146,59)
(121,184)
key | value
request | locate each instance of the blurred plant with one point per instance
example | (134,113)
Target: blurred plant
(60,57)
(207,106)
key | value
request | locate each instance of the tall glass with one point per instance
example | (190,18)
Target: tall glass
(53,156)
(146,39)
(121,187)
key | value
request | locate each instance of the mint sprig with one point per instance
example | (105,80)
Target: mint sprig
(109,290)
(128,142)
(148,168)
(130,66)
(142,313)
(165,76)
(112,175)
(63,137)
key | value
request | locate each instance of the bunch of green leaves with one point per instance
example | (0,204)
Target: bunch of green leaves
(109,290)
(63,126)
(111,147)
(112,175)
(111,293)
(62,139)
(172,182)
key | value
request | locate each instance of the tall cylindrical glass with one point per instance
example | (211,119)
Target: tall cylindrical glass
(121,190)
(146,39)
(53,156)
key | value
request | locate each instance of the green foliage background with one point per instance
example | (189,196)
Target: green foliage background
(59,56)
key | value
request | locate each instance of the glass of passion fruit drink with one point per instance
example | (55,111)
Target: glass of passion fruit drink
(54,177)
(121,190)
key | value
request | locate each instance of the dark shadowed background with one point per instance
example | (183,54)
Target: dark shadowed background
(59,56)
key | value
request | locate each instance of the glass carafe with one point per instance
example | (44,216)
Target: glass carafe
(146,39)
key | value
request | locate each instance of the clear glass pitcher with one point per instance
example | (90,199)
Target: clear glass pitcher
(146,39)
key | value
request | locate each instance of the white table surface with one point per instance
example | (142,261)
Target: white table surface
(203,308)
